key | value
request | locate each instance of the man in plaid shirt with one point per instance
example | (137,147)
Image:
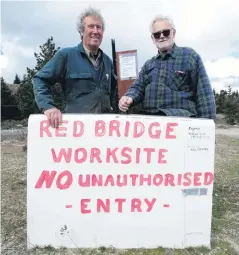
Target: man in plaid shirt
(172,83)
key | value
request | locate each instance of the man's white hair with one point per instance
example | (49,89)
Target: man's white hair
(159,18)
(88,12)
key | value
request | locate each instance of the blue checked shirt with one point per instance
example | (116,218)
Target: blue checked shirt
(176,84)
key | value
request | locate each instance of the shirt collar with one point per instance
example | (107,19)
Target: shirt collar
(90,54)
(172,52)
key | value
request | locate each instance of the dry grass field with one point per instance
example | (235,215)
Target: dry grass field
(225,225)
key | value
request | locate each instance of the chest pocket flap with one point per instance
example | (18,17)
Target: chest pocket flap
(80,75)
(80,83)
(178,79)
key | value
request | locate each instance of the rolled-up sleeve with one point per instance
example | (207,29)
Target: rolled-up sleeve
(51,73)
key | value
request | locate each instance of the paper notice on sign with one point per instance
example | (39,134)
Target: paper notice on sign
(127,65)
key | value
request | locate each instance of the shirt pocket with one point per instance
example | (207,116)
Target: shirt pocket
(178,79)
(80,83)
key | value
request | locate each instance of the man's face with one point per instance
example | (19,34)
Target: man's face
(163,41)
(93,32)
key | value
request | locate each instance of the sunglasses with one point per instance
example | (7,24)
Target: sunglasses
(165,33)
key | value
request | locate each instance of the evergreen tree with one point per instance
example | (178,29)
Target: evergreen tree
(26,99)
(9,109)
(231,109)
(6,95)
(214,92)
(25,95)
(48,50)
(17,80)
(221,100)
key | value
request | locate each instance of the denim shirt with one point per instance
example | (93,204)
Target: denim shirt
(85,90)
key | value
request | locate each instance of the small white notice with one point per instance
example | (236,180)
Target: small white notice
(126,181)
(128,66)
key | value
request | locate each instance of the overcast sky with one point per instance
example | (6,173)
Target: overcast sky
(211,27)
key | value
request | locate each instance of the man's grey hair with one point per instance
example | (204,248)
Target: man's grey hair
(86,13)
(159,18)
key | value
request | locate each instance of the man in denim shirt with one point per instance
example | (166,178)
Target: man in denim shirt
(84,72)
(174,82)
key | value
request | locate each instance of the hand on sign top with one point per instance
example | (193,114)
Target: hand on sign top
(125,103)
(54,116)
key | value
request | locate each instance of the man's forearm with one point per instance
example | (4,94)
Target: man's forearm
(42,93)
(136,92)
(51,73)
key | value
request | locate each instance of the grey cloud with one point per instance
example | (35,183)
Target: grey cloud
(233,81)
(22,19)
(127,22)
(231,77)
(234,86)
(33,24)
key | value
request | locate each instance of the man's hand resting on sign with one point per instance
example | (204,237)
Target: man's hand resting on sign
(125,103)
(54,116)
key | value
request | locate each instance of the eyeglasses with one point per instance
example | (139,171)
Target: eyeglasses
(165,33)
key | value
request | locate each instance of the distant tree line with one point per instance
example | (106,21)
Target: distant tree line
(227,103)
(21,104)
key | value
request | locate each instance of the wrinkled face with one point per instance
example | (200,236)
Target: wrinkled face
(93,32)
(163,35)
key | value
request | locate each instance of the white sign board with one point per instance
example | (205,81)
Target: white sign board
(126,181)
(128,66)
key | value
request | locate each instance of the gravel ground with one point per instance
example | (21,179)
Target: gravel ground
(13,134)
